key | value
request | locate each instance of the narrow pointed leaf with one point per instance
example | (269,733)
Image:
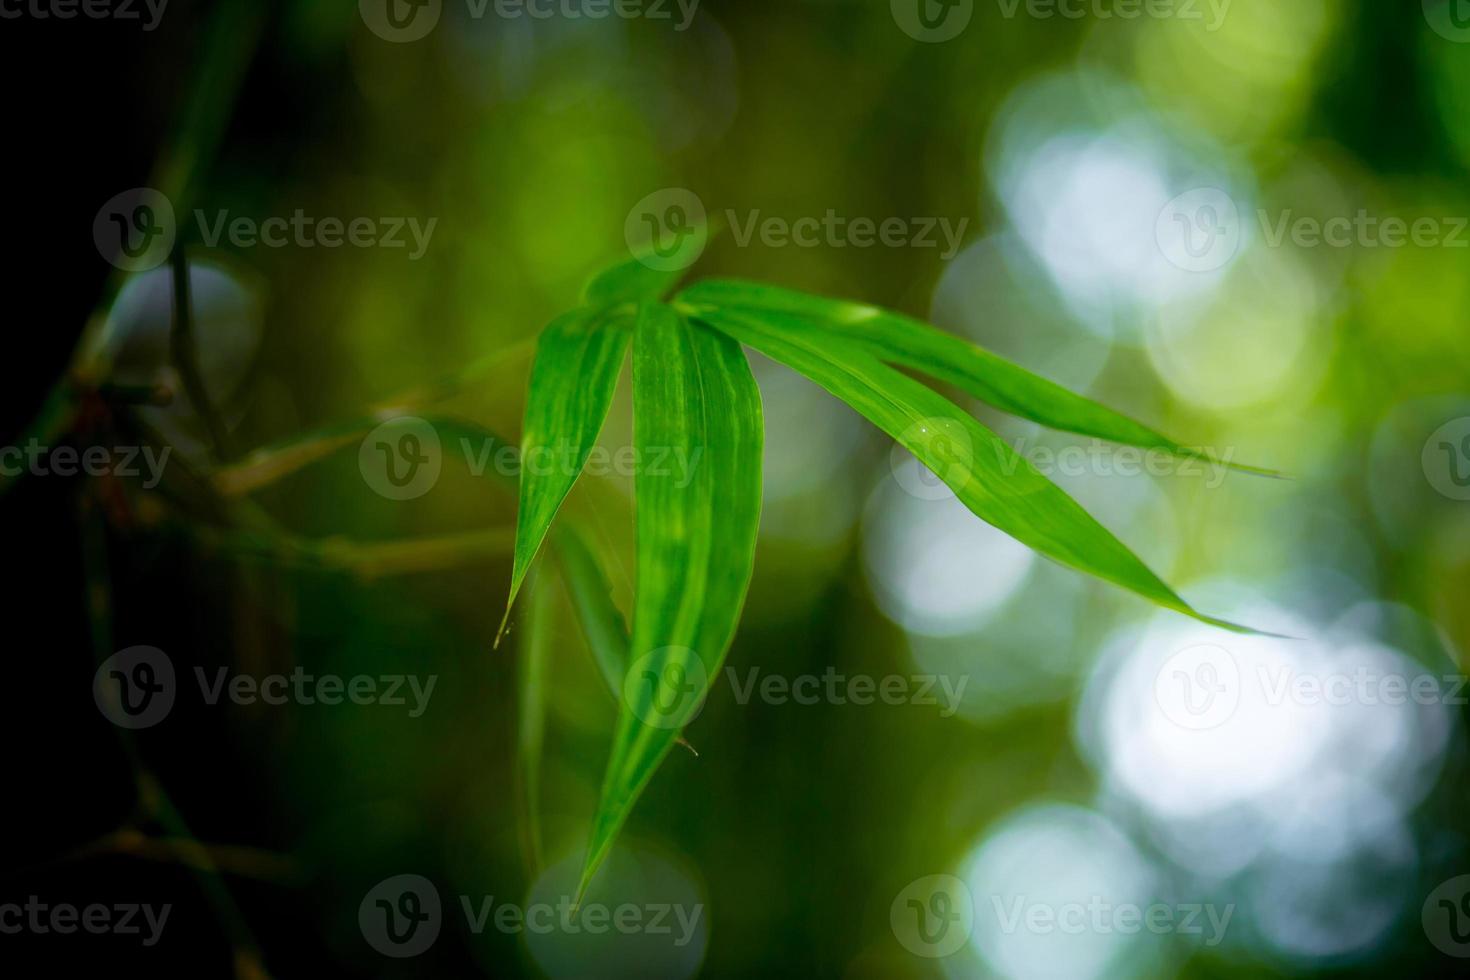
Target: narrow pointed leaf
(603,627)
(576,369)
(535,649)
(693,398)
(631,281)
(650,275)
(602,624)
(897,339)
(994,481)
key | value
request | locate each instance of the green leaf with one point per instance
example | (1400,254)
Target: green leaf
(603,626)
(995,482)
(572,381)
(631,282)
(649,276)
(693,394)
(531,704)
(897,339)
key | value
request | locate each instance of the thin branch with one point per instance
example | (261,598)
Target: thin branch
(184,352)
(152,799)
(268,464)
(245,862)
(406,556)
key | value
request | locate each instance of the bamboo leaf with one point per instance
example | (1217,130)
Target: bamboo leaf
(897,339)
(650,275)
(631,281)
(576,369)
(603,626)
(995,482)
(531,734)
(693,394)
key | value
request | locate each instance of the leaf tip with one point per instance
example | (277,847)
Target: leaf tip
(582,885)
(504,622)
